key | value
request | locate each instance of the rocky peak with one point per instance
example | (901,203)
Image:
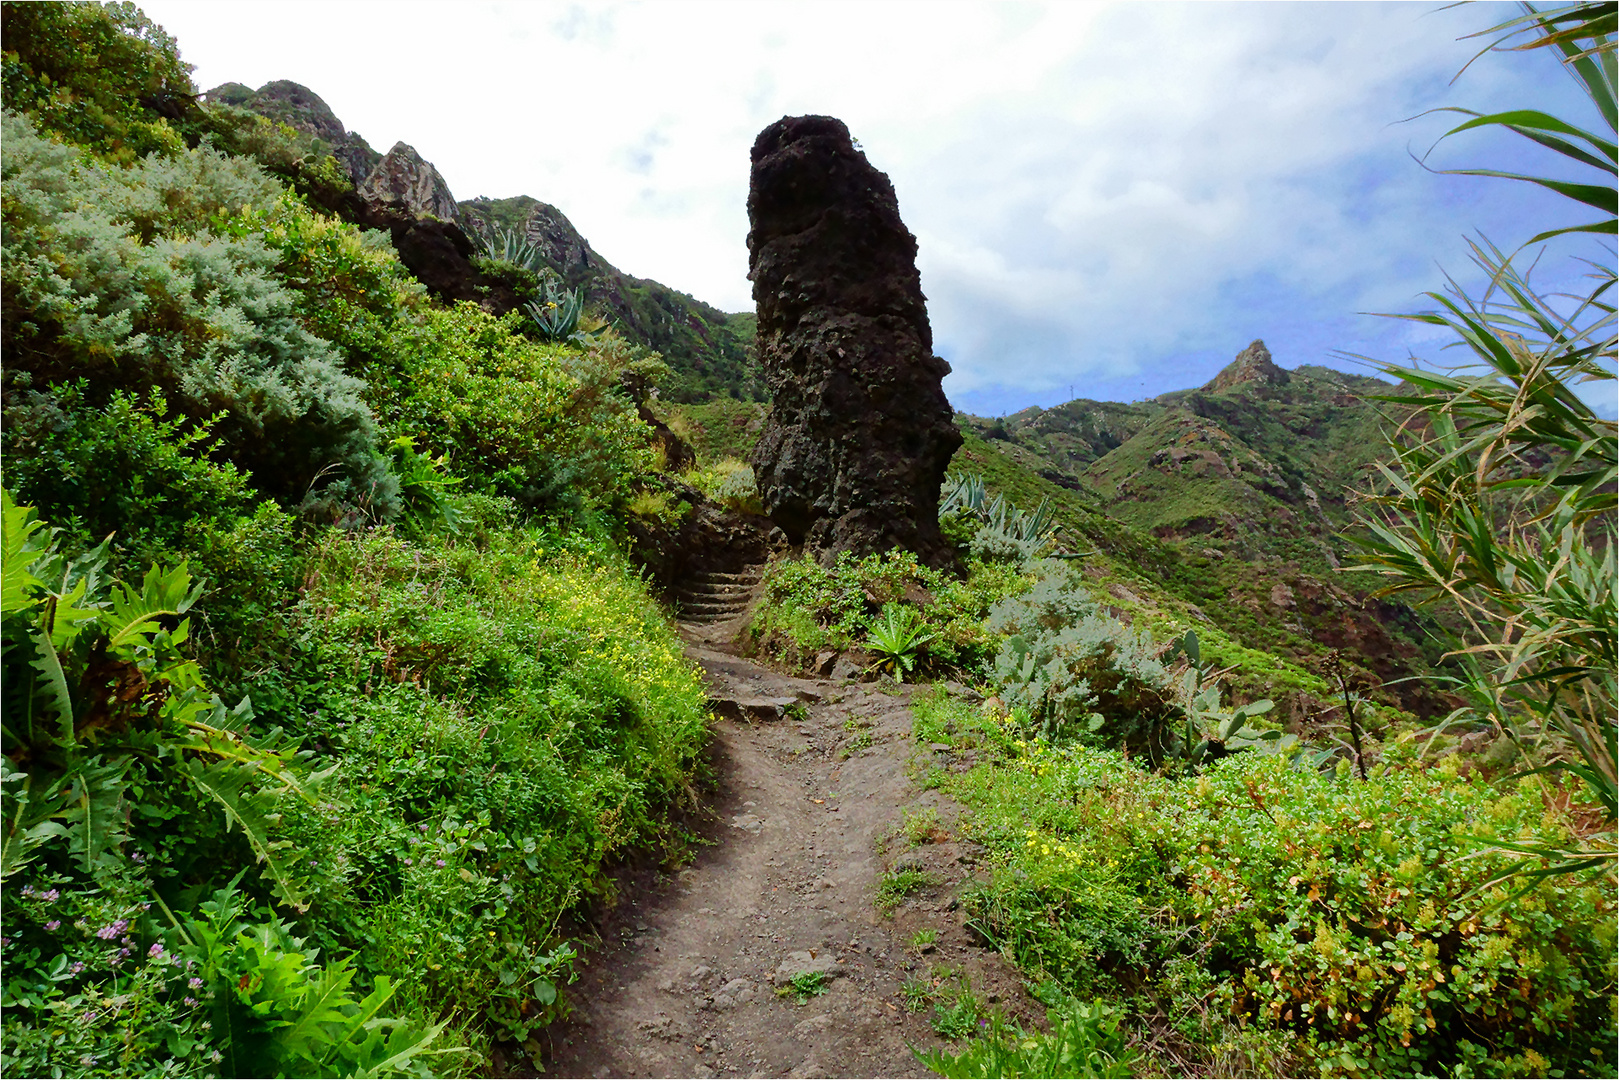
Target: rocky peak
(1252,365)
(295,104)
(300,108)
(406,180)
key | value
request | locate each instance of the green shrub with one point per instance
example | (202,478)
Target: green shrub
(1078,672)
(352,290)
(128,783)
(303,160)
(102,75)
(510,718)
(120,276)
(543,424)
(134,473)
(806,607)
(1356,918)
(728,482)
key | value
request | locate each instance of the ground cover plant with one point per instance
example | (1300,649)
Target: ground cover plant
(911,617)
(1348,926)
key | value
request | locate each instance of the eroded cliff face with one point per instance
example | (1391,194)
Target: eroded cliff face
(404,179)
(860,432)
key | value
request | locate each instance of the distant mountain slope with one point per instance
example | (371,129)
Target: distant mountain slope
(709,351)
(1258,462)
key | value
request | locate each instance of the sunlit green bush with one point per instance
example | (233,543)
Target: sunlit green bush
(103,75)
(544,424)
(134,472)
(1356,918)
(728,482)
(806,607)
(128,277)
(510,718)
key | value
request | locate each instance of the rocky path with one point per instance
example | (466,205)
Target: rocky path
(813,805)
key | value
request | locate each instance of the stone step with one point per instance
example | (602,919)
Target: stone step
(751,709)
(712,609)
(719,593)
(745,577)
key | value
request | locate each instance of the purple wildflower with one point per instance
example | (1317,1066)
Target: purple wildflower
(438,862)
(53,924)
(190,1002)
(194,983)
(156,949)
(27,890)
(107,933)
(408,863)
(78,966)
(50,896)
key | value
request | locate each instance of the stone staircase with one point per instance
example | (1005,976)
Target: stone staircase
(714,597)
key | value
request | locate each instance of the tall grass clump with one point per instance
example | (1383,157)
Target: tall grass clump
(1500,498)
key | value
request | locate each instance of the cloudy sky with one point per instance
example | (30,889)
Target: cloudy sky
(1111,200)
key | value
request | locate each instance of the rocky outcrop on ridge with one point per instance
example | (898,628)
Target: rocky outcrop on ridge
(709,350)
(299,107)
(860,432)
(1252,365)
(404,179)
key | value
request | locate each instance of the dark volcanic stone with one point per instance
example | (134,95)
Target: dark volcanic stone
(859,432)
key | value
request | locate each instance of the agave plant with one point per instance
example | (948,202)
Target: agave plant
(1500,498)
(507,245)
(557,315)
(1031,530)
(897,637)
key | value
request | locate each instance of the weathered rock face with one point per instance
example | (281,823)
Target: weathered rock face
(1252,365)
(405,180)
(298,106)
(551,231)
(859,432)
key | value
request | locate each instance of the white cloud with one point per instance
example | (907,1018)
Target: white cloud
(1097,189)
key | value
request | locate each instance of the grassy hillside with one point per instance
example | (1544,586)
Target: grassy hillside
(1260,468)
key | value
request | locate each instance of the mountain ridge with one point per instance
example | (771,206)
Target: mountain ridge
(709,351)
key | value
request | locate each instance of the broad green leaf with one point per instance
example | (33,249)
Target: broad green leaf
(230,784)
(23,546)
(58,697)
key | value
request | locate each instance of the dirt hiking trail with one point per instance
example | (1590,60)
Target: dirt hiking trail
(809,810)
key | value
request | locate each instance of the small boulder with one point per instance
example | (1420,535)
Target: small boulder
(806,962)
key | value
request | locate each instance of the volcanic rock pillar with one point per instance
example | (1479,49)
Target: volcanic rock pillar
(859,432)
